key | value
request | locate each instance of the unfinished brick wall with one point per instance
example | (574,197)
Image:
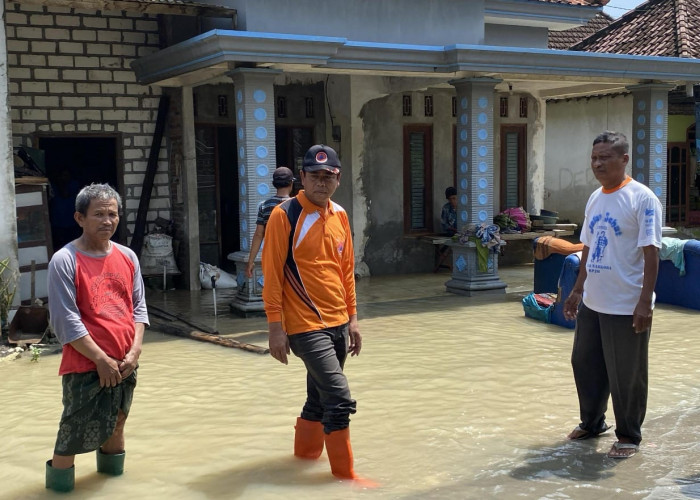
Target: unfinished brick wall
(70,74)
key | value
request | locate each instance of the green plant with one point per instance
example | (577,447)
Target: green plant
(8,286)
(36,353)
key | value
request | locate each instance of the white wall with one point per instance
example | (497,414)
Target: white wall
(437,22)
(571,127)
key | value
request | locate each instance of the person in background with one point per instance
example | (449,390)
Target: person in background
(98,312)
(283,181)
(448,217)
(308,265)
(613,298)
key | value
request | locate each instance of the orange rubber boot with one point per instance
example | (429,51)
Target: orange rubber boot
(340,453)
(308,439)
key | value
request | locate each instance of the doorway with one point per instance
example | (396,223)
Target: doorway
(678,183)
(73,162)
(291,143)
(217,194)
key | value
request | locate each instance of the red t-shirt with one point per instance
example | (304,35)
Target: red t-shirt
(104,288)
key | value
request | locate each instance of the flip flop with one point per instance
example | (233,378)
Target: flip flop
(623,450)
(587,434)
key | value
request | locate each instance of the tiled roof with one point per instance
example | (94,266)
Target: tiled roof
(564,39)
(592,3)
(655,28)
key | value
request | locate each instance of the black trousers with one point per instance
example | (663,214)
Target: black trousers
(327,392)
(609,358)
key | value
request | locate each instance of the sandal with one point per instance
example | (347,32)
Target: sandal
(579,434)
(623,450)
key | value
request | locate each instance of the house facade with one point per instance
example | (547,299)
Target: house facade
(669,29)
(415,97)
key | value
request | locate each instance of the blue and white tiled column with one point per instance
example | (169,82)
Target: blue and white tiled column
(255,128)
(649,139)
(475,185)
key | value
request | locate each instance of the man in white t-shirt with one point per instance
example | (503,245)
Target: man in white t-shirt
(613,298)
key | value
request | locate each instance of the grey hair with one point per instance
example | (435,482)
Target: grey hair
(96,192)
(618,141)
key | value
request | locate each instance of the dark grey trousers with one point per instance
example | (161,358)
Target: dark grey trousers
(609,358)
(327,393)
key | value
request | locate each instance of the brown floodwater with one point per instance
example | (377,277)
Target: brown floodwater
(458,398)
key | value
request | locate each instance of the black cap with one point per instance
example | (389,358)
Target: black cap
(450,191)
(321,157)
(282,177)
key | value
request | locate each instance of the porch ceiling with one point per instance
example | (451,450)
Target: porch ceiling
(551,73)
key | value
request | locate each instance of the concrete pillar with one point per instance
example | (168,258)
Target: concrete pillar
(8,210)
(536,132)
(475,189)
(255,127)
(189,191)
(649,139)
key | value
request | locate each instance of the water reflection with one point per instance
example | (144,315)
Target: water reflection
(457,398)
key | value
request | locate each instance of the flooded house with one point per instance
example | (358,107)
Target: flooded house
(187,107)
(670,31)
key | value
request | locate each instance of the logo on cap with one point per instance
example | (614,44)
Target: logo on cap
(321,157)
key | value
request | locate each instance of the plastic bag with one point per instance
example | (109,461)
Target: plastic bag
(157,253)
(536,311)
(223,279)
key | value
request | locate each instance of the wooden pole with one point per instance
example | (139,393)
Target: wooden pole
(179,331)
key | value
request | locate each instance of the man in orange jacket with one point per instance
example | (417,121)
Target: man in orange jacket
(309,294)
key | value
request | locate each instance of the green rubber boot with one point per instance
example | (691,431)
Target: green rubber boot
(61,480)
(110,464)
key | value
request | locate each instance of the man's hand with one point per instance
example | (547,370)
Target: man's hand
(641,318)
(279,342)
(571,304)
(108,370)
(354,336)
(249,269)
(129,363)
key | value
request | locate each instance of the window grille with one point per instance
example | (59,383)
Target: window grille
(504,107)
(428,105)
(223,105)
(407,106)
(281,107)
(523,107)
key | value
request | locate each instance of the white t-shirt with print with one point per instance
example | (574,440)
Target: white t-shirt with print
(616,227)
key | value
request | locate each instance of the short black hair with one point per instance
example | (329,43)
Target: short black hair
(618,141)
(103,192)
(450,191)
(281,184)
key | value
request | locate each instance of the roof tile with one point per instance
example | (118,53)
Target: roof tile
(564,39)
(668,28)
(592,3)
